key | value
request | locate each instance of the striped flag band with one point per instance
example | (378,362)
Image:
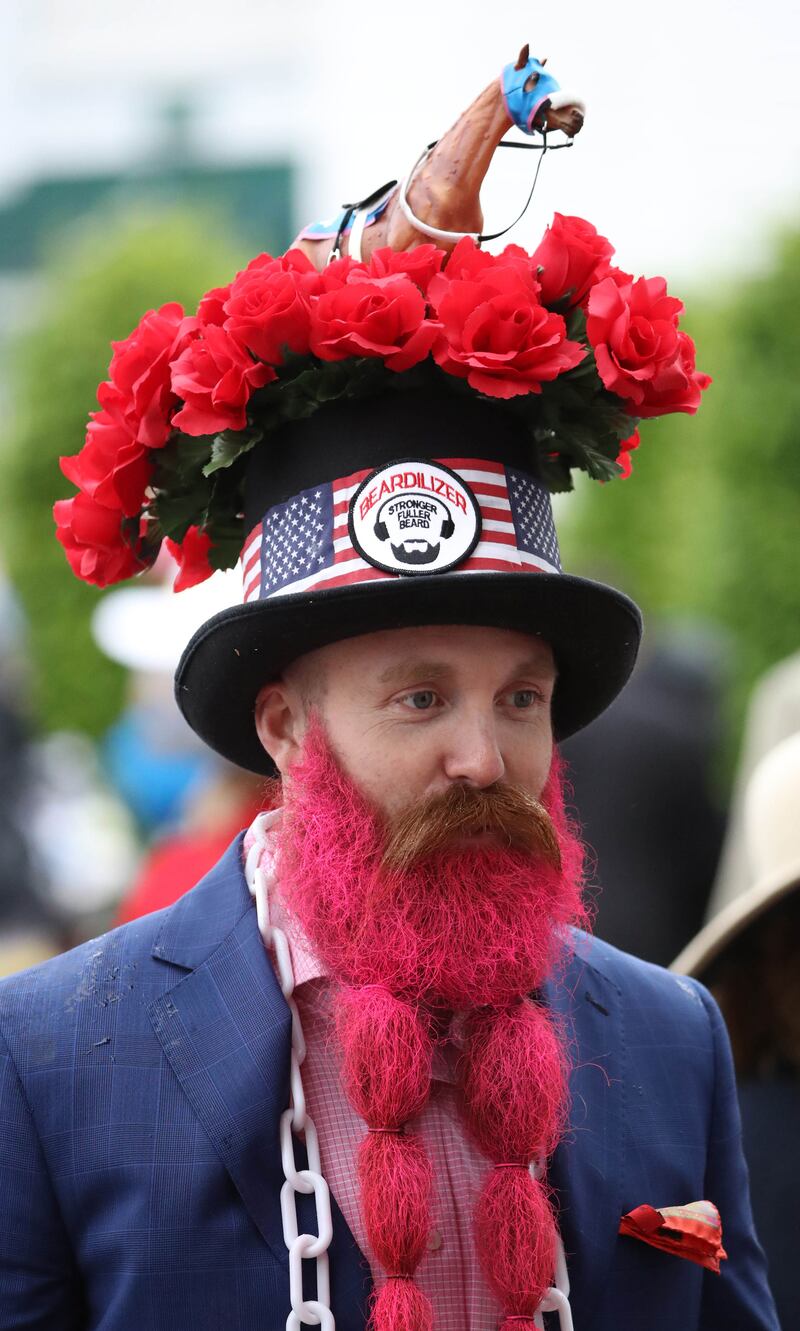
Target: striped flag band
(305,542)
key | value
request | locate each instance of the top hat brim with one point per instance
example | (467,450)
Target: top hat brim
(594,632)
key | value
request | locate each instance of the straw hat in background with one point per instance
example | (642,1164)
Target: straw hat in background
(771,817)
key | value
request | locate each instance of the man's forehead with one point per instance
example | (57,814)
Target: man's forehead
(402,655)
(433,651)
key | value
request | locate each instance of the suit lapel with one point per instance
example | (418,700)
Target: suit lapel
(587,1168)
(225,1030)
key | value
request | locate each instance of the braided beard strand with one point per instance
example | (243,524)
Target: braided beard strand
(474,931)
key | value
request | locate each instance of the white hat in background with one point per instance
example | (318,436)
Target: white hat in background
(147,626)
(772,840)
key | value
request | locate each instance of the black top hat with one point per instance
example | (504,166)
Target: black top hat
(392,511)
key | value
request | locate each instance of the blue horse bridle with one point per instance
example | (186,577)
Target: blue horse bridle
(527,104)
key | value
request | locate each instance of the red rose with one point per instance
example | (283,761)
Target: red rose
(211,309)
(215,376)
(140,370)
(633,328)
(298,262)
(626,447)
(93,539)
(378,317)
(111,468)
(677,386)
(571,256)
(497,335)
(192,559)
(419,264)
(640,354)
(269,305)
(468,262)
(338,273)
(617,275)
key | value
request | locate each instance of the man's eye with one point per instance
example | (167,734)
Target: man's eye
(522,698)
(421,701)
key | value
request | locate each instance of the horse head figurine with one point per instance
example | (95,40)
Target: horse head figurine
(535,101)
(440,197)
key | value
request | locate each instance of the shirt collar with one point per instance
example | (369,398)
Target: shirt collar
(306,965)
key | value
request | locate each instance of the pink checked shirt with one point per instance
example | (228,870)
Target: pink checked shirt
(449,1273)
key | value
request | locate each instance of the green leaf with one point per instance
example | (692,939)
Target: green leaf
(576,324)
(556,474)
(622,425)
(224,550)
(176,513)
(370,376)
(178,466)
(324,382)
(230,445)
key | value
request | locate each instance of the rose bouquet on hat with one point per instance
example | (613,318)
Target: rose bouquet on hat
(572,347)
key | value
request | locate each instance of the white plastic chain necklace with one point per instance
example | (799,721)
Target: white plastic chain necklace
(259,870)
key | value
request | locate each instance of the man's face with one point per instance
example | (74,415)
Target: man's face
(410,712)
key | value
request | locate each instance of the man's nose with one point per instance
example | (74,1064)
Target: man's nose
(473,754)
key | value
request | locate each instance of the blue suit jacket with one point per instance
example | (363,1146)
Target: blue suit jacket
(141,1081)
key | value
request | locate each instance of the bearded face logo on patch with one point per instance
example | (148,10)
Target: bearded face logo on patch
(413,921)
(415,528)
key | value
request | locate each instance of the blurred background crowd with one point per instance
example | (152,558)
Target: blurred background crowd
(154,149)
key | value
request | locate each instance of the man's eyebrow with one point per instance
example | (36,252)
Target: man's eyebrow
(408,672)
(412,670)
(535,665)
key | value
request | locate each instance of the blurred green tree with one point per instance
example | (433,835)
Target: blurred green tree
(95,291)
(709,523)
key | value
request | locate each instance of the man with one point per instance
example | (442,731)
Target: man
(402,1085)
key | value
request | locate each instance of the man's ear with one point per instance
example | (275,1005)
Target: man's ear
(280,723)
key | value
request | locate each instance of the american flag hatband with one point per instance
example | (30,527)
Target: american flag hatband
(409,517)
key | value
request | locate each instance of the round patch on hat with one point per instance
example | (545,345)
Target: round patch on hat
(414,516)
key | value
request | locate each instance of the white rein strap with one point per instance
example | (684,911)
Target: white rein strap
(433,231)
(260,875)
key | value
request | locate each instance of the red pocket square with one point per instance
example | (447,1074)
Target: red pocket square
(693,1231)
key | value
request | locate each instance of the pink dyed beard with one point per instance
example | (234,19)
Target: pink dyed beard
(474,930)
(466,927)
